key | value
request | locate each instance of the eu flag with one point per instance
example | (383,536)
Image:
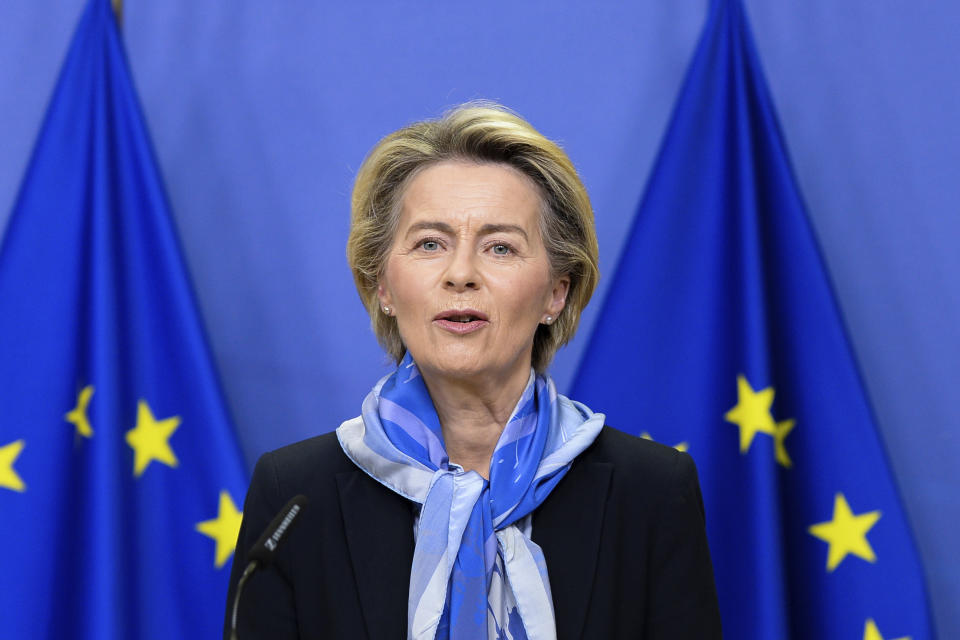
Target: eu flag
(119,470)
(721,335)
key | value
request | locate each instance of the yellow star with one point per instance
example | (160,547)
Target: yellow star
(224,529)
(870,632)
(149,439)
(780,432)
(752,413)
(8,477)
(683,446)
(846,533)
(78,415)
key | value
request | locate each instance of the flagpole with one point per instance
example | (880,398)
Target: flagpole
(118,10)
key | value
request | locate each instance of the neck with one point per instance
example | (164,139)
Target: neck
(473,414)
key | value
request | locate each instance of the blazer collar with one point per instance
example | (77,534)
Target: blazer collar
(567,526)
(379,528)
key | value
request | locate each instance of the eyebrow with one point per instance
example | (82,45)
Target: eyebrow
(486,229)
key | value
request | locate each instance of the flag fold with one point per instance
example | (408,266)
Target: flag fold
(120,473)
(720,335)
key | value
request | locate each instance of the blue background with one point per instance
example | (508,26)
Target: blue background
(261,112)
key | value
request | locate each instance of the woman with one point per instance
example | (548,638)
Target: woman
(469,499)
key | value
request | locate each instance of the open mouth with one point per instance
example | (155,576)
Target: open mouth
(461,321)
(461,315)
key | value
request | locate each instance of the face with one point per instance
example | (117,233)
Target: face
(468,277)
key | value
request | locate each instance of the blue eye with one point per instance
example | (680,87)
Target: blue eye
(501,249)
(430,245)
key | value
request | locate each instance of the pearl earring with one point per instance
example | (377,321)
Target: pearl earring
(548,320)
(386,310)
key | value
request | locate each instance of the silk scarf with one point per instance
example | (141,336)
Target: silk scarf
(475,574)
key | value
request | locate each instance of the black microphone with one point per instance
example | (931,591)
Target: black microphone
(262,552)
(265,547)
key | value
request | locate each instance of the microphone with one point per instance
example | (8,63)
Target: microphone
(265,548)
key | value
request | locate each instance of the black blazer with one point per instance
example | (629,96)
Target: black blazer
(622,533)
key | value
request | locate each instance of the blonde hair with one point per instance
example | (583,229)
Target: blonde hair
(480,132)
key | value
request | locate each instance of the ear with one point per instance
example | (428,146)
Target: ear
(383,295)
(558,296)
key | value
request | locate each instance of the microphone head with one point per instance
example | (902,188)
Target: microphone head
(265,547)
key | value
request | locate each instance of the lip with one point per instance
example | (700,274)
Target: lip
(445,321)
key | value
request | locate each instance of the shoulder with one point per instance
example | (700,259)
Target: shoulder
(645,471)
(322,450)
(644,458)
(309,463)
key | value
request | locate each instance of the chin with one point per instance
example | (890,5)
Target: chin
(468,366)
(456,368)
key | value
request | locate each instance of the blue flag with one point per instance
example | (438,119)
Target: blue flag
(119,469)
(721,336)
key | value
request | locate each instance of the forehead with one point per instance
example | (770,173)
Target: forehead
(461,193)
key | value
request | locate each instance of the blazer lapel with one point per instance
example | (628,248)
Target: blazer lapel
(379,529)
(567,526)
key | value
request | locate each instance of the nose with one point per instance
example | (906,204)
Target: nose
(462,273)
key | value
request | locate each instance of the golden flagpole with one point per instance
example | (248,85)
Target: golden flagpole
(118,10)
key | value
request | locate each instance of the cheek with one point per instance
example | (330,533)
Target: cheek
(395,283)
(528,296)
(410,296)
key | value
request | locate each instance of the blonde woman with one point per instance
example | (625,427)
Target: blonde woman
(469,499)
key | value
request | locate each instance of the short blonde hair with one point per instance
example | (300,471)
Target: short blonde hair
(480,132)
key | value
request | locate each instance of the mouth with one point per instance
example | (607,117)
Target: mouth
(461,321)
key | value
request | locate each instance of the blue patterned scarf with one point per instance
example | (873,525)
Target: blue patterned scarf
(476,575)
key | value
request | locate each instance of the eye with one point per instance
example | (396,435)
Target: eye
(501,249)
(429,245)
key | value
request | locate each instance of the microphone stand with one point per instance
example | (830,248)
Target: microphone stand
(264,549)
(251,567)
